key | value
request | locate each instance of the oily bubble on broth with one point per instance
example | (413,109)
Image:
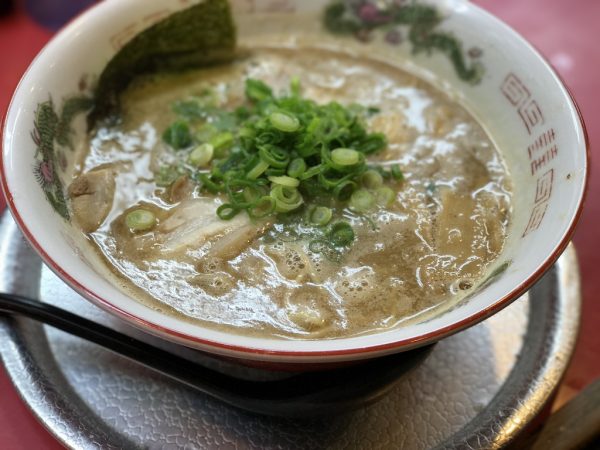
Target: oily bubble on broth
(294,262)
(306,312)
(216,283)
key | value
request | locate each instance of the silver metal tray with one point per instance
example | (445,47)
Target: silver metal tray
(478,389)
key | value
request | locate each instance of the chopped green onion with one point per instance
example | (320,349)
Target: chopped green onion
(252,193)
(140,220)
(274,156)
(285,181)
(242,193)
(320,215)
(345,156)
(371,179)
(341,234)
(397,173)
(263,207)
(286,199)
(273,172)
(315,170)
(222,140)
(257,91)
(246,133)
(295,86)
(301,149)
(227,211)
(362,201)
(373,143)
(385,196)
(201,155)
(296,168)
(343,191)
(284,122)
(205,133)
(331,183)
(242,113)
(178,135)
(257,170)
(209,184)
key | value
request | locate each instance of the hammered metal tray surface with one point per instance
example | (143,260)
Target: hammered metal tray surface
(477,389)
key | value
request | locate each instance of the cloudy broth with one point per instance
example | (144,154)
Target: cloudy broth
(448,222)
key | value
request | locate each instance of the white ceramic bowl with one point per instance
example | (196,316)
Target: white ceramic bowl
(519,99)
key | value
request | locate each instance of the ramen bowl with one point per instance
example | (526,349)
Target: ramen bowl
(492,71)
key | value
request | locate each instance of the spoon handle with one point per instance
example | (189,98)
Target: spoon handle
(112,340)
(299,395)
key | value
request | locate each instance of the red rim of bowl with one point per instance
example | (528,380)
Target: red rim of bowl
(400,345)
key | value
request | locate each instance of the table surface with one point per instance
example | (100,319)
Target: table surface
(565,32)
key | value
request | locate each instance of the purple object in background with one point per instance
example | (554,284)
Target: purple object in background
(53,14)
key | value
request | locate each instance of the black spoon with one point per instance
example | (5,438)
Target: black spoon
(299,395)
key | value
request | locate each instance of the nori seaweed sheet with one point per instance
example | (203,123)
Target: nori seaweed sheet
(201,35)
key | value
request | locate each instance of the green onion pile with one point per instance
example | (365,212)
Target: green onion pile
(282,155)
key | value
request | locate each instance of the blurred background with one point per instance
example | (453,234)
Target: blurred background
(566,32)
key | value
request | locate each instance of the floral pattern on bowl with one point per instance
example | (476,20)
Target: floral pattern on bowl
(398,18)
(52,135)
